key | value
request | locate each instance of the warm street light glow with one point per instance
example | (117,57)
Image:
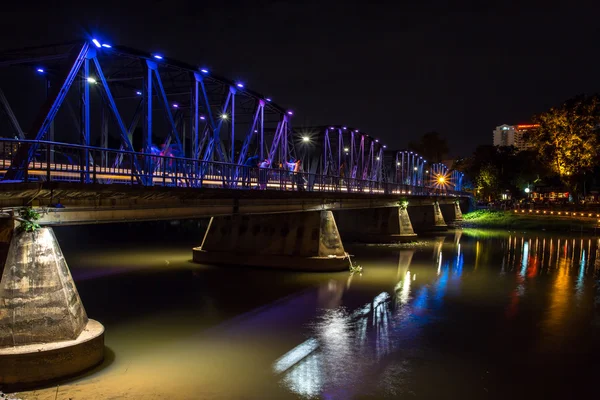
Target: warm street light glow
(346,149)
(527,190)
(91,80)
(224,116)
(415,168)
(305,139)
(441,179)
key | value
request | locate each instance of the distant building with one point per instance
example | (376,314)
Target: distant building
(513,135)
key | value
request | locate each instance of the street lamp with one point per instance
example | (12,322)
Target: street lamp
(305,139)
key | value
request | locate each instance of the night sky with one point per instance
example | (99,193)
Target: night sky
(393,70)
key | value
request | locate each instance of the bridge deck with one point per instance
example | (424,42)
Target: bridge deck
(97,203)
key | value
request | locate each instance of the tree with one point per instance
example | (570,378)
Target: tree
(432,146)
(566,139)
(487,182)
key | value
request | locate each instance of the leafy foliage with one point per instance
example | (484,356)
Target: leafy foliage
(567,140)
(28,216)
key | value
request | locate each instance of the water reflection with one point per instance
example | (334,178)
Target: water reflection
(343,345)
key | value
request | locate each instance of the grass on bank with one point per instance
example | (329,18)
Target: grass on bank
(511,220)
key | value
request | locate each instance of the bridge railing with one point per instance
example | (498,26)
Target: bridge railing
(59,162)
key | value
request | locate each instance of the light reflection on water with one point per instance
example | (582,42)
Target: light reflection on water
(346,345)
(457,315)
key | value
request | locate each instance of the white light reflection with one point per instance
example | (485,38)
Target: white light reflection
(439,270)
(403,289)
(293,356)
(525,258)
(581,277)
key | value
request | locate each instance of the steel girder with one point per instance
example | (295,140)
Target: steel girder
(341,151)
(133,85)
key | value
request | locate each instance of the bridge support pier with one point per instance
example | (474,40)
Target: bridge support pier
(376,225)
(45,333)
(452,213)
(427,218)
(299,241)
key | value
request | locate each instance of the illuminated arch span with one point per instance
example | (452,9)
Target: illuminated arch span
(133,92)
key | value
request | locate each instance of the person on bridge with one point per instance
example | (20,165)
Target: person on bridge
(262,173)
(298,175)
(251,162)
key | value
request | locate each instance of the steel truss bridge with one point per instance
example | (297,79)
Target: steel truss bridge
(100,113)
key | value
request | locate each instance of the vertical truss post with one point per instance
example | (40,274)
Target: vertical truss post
(86,112)
(104,135)
(196,116)
(232,89)
(262,131)
(148,125)
(340,149)
(351,166)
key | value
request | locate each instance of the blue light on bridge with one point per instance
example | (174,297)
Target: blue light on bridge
(40,70)
(138,93)
(290,112)
(96,43)
(344,128)
(202,117)
(268,99)
(108,46)
(204,71)
(240,85)
(158,56)
(175,105)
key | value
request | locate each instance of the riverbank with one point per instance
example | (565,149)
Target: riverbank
(509,220)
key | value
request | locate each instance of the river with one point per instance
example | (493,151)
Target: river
(464,314)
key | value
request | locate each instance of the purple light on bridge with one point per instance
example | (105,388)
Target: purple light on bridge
(256,131)
(202,117)
(204,71)
(96,43)
(138,93)
(268,99)
(385,146)
(376,140)
(175,105)
(240,85)
(331,127)
(290,112)
(158,56)
(344,128)
(356,130)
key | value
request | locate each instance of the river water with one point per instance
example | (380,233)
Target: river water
(465,314)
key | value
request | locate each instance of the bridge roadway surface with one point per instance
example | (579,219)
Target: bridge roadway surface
(102,203)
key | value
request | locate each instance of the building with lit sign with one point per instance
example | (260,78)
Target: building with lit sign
(513,135)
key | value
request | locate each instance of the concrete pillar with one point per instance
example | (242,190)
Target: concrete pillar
(45,333)
(40,303)
(302,241)
(7,225)
(376,225)
(426,218)
(452,213)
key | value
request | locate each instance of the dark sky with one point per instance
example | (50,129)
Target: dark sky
(392,69)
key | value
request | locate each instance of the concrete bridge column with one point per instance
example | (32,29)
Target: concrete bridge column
(301,240)
(452,213)
(376,225)
(427,217)
(45,333)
